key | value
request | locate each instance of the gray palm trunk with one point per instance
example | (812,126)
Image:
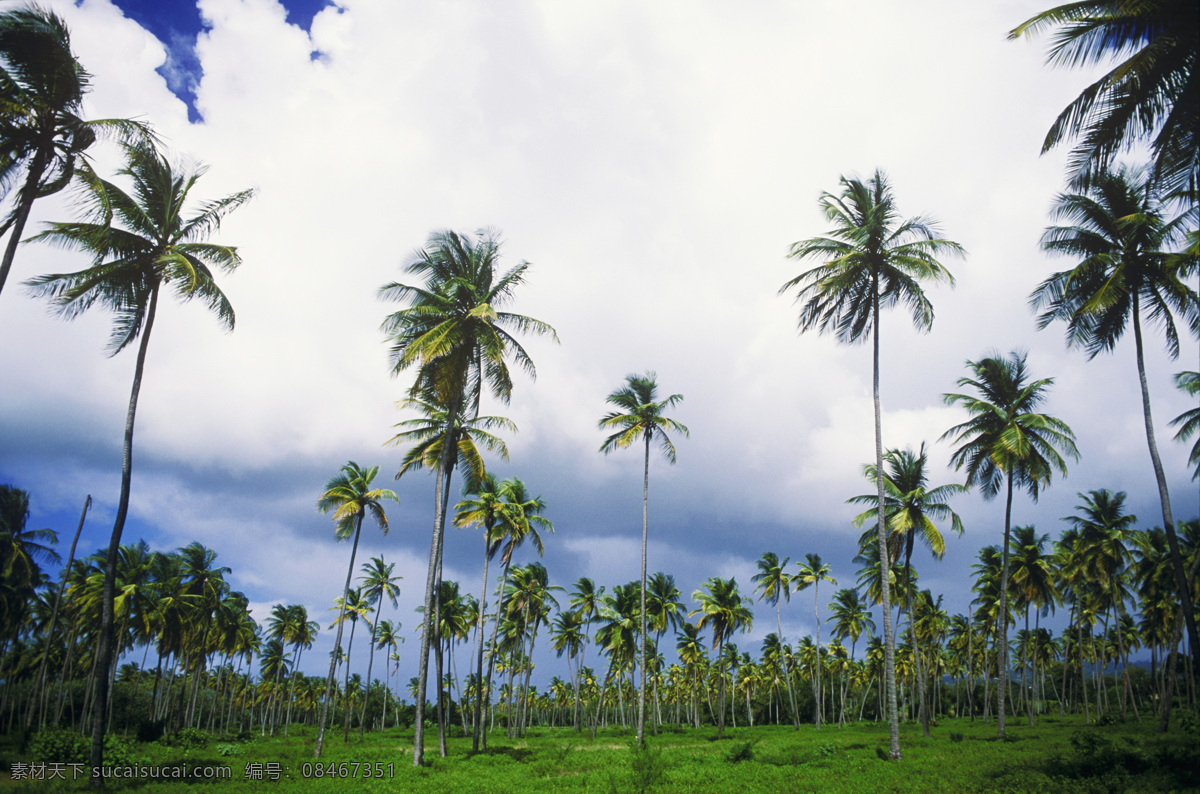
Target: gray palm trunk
(28,195)
(428,626)
(1002,615)
(787,677)
(104,655)
(641,719)
(362,717)
(337,643)
(889,639)
(495,634)
(1181,579)
(487,536)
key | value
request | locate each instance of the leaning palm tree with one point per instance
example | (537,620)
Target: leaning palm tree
(872,259)
(1120,230)
(1006,444)
(350,496)
(639,417)
(42,135)
(1151,94)
(139,241)
(722,609)
(454,334)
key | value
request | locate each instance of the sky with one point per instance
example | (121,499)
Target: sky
(653,162)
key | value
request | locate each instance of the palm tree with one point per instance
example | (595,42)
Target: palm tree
(388,638)
(639,417)
(454,333)
(522,520)
(851,617)
(663,611)
(1152,93)
(487,510)
(350,496)
(153,246)
(301,633)
(378,585)
(1006,444)
(812,572)
(725,611)
(21,552)
(772,581)
(42,136)
(1119,229)
(872,260)
(1188,422)
(911,507)
(585,599)
(1033,579)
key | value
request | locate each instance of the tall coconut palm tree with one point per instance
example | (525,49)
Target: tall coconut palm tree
(663,611)
(42,136)
(22,552)
(911,507)
(1120,229)
(351,498)
(455,335)
(772,581)
(724,610)
(1148,96)
(1007,444)
(139,241)
(872,259)
(301,633)
(640,417)
(812,572)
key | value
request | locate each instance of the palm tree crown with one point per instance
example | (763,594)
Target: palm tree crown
(1149,94)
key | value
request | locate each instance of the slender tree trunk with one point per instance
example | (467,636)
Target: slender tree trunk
(105,651)
(495,636)
(362,717)
(39,681)
(29,191)
(487,556)
(431,581)
(337,643)
(1002,617)
(1181,579)
(641,715)
(889,639)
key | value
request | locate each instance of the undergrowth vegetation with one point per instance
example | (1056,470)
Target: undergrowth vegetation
(1057,755)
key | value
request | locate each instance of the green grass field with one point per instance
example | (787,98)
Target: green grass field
(1054,756)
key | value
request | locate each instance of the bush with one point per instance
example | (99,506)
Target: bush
(118,751)
(227,750)
(188,739)
(57,745)
(956,737)
(455,731)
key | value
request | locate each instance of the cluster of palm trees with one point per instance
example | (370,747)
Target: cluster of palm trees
(1131,230)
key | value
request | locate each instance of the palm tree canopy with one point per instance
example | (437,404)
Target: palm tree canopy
(639,416)
(771,580)
(722,609)
(1005,436)
(427,435)
(1150,95)
(870,252)
(1120,230)
(812,571)
(1188,422)
(350,496)
(152,245)
(453,329)
(909,503)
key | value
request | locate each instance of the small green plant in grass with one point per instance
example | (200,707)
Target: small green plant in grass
(228,750)
(742,751)
(956,736)
(647,767)
(57,745)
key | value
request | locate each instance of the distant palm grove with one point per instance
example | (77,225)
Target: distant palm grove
(146,643)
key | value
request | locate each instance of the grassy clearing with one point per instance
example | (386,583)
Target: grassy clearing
(1054,756)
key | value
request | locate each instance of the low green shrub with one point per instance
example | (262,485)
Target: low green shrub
(57,745)
(742,751)
(647,767)
(956,736)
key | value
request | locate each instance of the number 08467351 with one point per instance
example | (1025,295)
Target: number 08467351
(347,769)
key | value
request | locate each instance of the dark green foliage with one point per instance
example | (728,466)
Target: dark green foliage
(188,739)
(955,736)
(742,751)
(57,745)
